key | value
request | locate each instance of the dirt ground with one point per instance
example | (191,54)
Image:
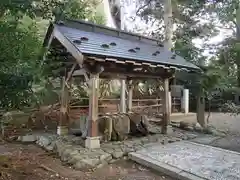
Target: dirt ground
(28,162)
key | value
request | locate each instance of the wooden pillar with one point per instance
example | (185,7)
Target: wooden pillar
(123,96)
(129,104)
(130,95)
(64,118)
(93,140)
(166,113)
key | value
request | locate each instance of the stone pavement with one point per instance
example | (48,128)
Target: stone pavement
(71,151)
(191,161)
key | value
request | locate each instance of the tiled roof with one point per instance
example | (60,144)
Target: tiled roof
(112,43)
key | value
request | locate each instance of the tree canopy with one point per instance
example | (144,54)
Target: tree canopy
(22,27)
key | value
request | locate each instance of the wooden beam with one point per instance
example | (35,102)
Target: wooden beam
(166,113)
(93,105)
(47,47)
(71,72)
(69,46)
(82,72)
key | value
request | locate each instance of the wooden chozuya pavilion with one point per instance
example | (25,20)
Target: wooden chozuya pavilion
(93,51)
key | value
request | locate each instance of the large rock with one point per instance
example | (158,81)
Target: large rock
(118,131)
(186,126)
(138,124)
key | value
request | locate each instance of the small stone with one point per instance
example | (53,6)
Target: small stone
(126,150)
(79,165)
(28,138)
(74,159)
(91,162)
(112,161)
(138,147)
(189,128)
(43,141)
(191,136)
(59,146)
(218,133)
(108,150)
(105,157)
(198,127)
(65,154)
(117,154)
(50,147)
(102,164)
(175,124)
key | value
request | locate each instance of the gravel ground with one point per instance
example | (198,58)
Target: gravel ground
(224,122)
(27,162)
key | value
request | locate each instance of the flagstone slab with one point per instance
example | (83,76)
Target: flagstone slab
(190,161)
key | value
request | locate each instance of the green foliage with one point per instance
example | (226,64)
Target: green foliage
(22,27)
(18,62)
(212,82)
(14,90)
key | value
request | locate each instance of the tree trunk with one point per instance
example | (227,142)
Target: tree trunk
(238,41)
(201,110)
(209,111)
(112,13)
(168,22)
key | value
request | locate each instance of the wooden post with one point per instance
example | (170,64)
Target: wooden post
(170,102)
(129,103)
(63,119)
(123,96)
(93,140)
(166,113)
(130,95)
